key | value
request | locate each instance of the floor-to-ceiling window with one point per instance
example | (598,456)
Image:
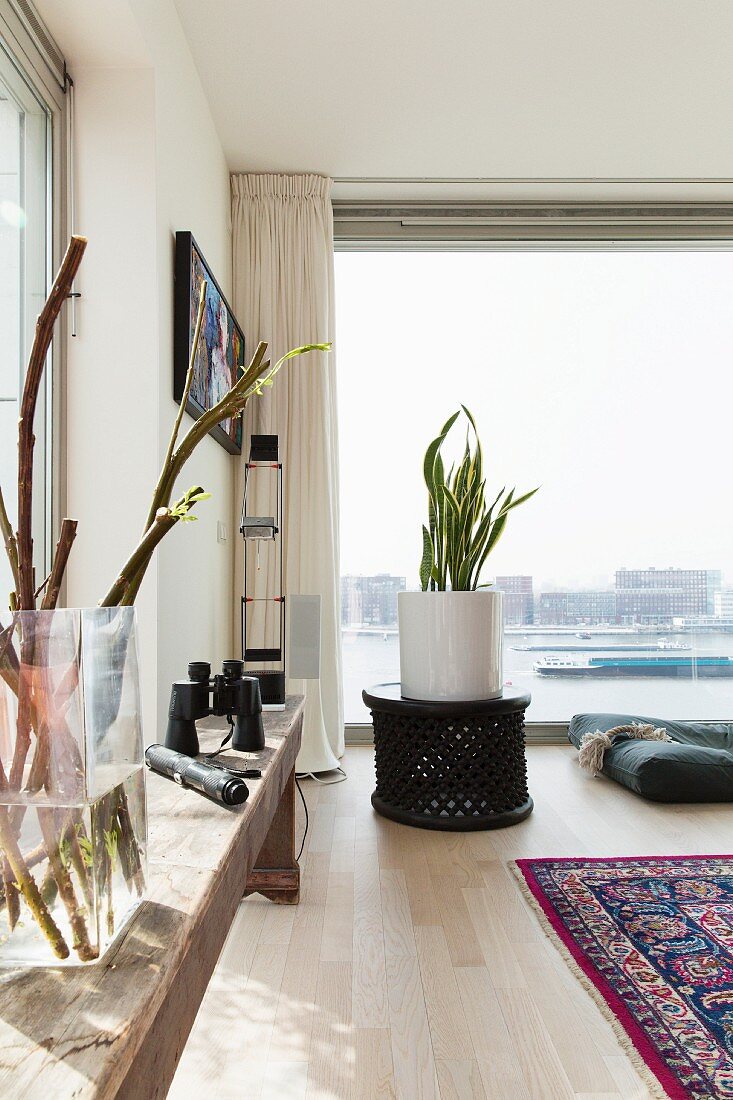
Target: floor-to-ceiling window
(602,375)
(30,151)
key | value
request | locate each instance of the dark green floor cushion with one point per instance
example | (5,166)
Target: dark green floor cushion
(696,766)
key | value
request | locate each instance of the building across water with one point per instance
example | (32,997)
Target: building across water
(581,608)
(657,596)
(371,601)
(518,599)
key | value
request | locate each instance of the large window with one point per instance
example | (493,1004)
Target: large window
(29,160)
(602,375)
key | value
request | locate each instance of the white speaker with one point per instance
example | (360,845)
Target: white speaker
(304,618)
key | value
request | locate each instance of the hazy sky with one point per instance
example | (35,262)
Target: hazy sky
(603,376)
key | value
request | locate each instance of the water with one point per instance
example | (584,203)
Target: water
(91,885)
(374,658)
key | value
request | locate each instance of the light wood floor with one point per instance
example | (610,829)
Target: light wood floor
(412,967)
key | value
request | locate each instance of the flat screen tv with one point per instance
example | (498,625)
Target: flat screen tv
(220,358)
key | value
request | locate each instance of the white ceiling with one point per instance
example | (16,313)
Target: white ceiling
(469,88)
(99,33)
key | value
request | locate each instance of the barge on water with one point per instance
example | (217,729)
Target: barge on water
(614,667)
(630,647)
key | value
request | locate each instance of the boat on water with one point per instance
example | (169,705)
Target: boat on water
(613,667)
(630,647)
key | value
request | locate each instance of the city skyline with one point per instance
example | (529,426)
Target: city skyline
(651,596)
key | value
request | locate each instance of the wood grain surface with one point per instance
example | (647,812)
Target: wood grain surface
(447,985)
(118,1027)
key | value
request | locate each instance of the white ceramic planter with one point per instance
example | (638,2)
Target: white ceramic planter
(450,645)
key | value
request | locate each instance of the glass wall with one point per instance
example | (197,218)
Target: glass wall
(25,234)
(602,376)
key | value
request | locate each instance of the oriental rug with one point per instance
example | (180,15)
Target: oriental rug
(652,939)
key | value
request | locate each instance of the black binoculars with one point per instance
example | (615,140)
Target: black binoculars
(233,694)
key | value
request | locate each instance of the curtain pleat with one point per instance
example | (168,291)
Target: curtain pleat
(283,279)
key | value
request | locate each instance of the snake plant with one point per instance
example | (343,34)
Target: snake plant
(462,529)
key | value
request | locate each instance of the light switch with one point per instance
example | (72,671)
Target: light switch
(221,531)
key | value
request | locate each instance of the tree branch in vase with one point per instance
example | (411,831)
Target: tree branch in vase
(164,519)
(11,549)
(61,557)
(68,853)
(26,440)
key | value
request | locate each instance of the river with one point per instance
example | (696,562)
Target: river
(374,658)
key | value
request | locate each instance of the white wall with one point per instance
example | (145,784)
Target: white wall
(111,423)
(148,163)
(195,576)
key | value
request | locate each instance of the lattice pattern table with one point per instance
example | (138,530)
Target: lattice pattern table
(449,765)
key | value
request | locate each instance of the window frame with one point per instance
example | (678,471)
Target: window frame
(32,49)
(455,226)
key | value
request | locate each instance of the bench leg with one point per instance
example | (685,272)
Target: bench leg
(276,873)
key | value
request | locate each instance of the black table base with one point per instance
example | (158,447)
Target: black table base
(449,766)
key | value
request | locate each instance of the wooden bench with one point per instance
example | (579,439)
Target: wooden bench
(117,1028)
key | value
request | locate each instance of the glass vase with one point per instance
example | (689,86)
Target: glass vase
(72,790)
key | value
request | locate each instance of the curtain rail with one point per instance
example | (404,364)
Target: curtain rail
(529,220)
(537,180)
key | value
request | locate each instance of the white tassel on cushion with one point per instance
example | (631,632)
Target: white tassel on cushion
(593,745)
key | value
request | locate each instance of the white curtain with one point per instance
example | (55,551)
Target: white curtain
(283,281)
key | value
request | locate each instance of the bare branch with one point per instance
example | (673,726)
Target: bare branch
(161,524)
(61,557)
(201,427)
(134,568)
(41,587)
(258,374)
(157,501)
(232,402)
(26,440)
(11,546)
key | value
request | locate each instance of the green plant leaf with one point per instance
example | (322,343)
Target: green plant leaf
(477,547)
(507,507)
(461,478)
(434,474)
(181,509)
(461,529)
(85,844)
(267,379)
(432,451)
(302,350)
(111,843)
(477,459)
(439,535)
(464,573)
(451,501)
(497,530)
(65,853)
(428,558)
(471,420)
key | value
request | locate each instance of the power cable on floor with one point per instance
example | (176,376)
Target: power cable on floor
(305,807)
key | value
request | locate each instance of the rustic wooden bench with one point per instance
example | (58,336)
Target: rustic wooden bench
(117,1028)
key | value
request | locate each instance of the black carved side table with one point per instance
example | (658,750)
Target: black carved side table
(455,766)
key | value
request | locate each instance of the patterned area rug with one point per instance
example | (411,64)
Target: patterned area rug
(652,940)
